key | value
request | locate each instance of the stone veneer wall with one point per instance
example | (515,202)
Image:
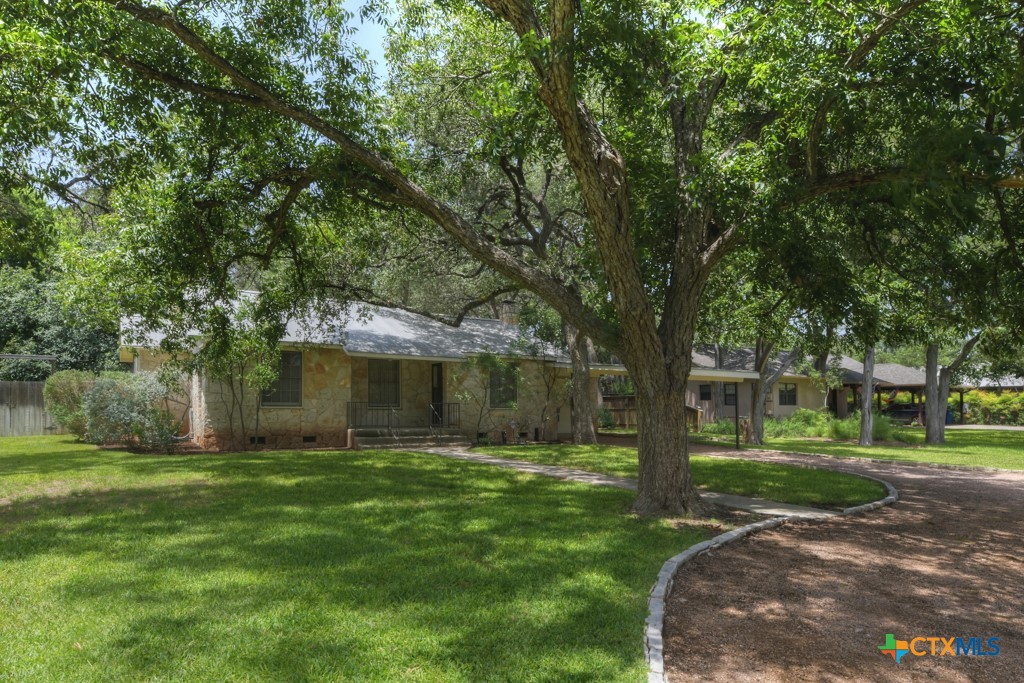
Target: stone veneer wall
(331,378)
(543,403)
(326,390)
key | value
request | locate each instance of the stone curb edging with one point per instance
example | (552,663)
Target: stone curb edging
(908,463)
(875,461)
(654,645)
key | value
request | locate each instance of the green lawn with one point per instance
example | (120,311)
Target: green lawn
(783,483)
(979,448)
(315,566)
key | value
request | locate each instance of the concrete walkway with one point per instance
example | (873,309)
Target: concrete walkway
(988,428)
(756,505)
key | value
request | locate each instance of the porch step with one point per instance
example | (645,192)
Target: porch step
(410,441)
(384,431)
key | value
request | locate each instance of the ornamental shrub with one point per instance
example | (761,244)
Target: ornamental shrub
(849,428)
(605,418)
(995,407)
(127,409)
(723,426)
(63,393)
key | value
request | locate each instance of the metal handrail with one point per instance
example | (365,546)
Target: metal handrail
(393,423)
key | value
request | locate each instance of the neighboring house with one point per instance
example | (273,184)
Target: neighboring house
(387,373)
(794,390)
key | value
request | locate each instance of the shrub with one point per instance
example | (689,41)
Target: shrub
(605,418)
(63,393)
(723,426)
(803,422)
(849,428)
(995,407)
(127,409)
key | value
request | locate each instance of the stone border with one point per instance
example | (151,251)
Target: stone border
(874,461)
(654,644)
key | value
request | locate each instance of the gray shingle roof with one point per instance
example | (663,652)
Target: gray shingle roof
(376,331)
(737,360)
(900,375)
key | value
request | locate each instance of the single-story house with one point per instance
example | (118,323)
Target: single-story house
(794,390)
(736,374)
(381,374)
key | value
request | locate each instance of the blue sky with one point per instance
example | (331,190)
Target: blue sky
(369,35)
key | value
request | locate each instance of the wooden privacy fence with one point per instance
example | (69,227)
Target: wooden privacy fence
(22,412)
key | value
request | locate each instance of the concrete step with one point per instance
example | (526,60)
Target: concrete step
(404,431)
(370,442)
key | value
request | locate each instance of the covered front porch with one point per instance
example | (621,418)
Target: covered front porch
(402,393)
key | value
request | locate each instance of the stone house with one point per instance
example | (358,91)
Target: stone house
(384,376)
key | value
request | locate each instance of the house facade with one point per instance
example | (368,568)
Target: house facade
(385,372)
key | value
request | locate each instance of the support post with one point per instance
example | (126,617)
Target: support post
(736,414)
(961,406)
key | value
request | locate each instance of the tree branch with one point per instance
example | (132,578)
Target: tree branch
(856,57)
(965,353)
(406,192)
(368,297)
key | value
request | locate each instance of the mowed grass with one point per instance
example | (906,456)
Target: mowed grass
(315,566)
(782,483)
(976,448)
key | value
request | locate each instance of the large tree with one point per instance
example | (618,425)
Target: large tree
(687,130)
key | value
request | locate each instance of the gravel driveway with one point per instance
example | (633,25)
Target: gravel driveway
(812,601)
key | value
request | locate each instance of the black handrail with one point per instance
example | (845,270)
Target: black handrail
(362,414)
(445,414)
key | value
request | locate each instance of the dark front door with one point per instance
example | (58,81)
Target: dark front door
(437,394)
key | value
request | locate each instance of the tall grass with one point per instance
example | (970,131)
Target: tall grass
(813,424)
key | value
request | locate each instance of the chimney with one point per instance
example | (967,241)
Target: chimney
(508,312)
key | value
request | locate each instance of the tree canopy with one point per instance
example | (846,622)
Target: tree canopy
(235,135)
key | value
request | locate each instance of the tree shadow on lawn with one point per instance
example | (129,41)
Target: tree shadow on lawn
(293,566)
(813,601)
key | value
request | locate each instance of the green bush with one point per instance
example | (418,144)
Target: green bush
(724,426)
(606,419)
(995,408)
(63,393)
(882,428)
(127,409)
(803,422)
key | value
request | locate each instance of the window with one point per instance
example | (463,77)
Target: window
(503,386)
(787,394)
(287,390)
(730,394)
(705,392)
(383,390)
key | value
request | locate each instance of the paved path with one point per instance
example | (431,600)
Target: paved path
(989,428)
(812,601)
(757,505)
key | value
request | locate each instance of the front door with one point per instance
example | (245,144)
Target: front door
(437,394)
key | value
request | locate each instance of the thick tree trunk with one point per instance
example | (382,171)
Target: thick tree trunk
(867,393)
(759,395)
(762,389)
(665,485)
(821,367)
(582,402)
(938,381)
(934,407)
